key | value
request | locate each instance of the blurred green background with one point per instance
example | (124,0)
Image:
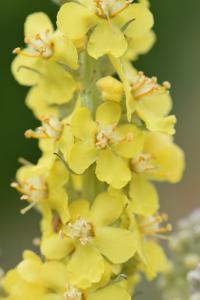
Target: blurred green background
(175,57)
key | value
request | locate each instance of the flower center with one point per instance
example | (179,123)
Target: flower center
(80,229)
(143,162)
(142,86)
(51,128)
(38,46)
(152,225)
(111,8)
(106,136)
(72,293)
(32,189)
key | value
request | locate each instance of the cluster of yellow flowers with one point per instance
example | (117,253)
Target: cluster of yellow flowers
(105,135)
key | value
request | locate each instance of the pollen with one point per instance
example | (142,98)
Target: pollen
(143,86)
(143,162)
(38,46)
(110,8)
(80,230)
(73,293)
(51,128)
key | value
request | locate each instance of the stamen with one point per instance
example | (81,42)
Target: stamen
(153,228)
(51,128)
(107,9)
(143,162)
(80,229)
(33,190)
(143,86)
(107,136)
(38,46)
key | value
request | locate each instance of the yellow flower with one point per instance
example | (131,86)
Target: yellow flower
(161,160)
(43,186)
(151,102)
(36,280)
(38,63)
(104,142)
(150,257)
(111,22)
(90,235)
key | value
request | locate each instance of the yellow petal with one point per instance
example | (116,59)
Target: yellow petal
(169,158)
(82,125)
(156,259)
(142,20)
(64,50)
(52,296)
(36,101)
(29,270)
(36,23)
(86,266)
(157,104)
(79,208)
(117,244)
(106,39)
(58,201)
(27,70)
(111,292)
(54,274)
(140,45)
(132,141)
(55,248)
(57,84)
(112,169)
(110,88)
(82,155)
(144,196)
(120,69)
(107,208)
(75,20)
(108,113)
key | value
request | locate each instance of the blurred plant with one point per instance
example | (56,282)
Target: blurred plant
(185,256)
(194,281)
(105,135)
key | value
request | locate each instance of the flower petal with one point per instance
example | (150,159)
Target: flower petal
(107,208)
(82,125)
(54,248)
(27,70)
(86,266)
(117,244)
(111,292)
(133,141)
(108,113)
(106,39)
(156,259)
(58,201)
(64,50)
(81,156)
(142,20)
(75,20)
(79,208)
(36,101)
(57,85)
(36,23)
(166,153)
(112,169)
(144,196)
(54,274)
